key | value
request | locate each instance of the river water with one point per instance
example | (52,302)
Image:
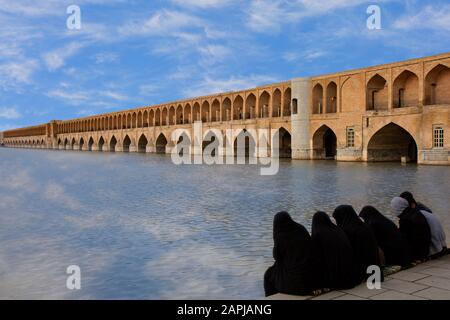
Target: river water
(140,227)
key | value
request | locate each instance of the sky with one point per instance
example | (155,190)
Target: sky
(136,53)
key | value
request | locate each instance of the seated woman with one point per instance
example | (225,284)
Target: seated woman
(388,236)
(414,228)
(336,253)
(295,263)
(365,248)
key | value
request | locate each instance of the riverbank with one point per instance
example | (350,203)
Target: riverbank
(427,281)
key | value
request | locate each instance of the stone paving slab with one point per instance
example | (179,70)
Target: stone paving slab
(430,280)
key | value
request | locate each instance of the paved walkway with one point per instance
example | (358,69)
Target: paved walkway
(427,281)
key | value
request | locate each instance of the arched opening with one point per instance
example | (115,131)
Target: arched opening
(215,111)
(226,109)
(66,143)
(196,112)
(318,99)
(332,97)
(81,144)
(183,144)
(101,143)
(179,115)
(142,144)
(245,145)
(73,144)
(134,120)
(264,101)
(250,107)
(129,121)
(287,102)
(238,107)
(437,86)
(284,144)
(392,143)
(187,114)
(406,90)
(158,118)
(377,93)
(205,111)
(126,144)
(324,144)
(90,144)
(276,103)
(164,117)
(211,139)
(112,144)
(151,118)
(161,144)
(140,123)
(171,116)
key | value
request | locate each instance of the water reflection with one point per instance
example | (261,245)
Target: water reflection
(142,228)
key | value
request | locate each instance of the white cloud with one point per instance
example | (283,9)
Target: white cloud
(430,17)
(106,57)
(17,72)
(9,113)
(57,58)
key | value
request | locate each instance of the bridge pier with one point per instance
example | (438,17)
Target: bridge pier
(300,122)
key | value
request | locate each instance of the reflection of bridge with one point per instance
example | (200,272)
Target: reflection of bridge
(383,113)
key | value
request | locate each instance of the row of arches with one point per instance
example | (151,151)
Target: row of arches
(405,91)
(265,105)
(161,143)
(390,143)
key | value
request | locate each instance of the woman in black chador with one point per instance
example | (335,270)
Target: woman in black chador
(388,236)
(295,263)
(364,244)
(335,251)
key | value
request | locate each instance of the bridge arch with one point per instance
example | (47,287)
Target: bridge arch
(264,105)
(391,143)
(437,85)
(406,90)
(317,99)
(161,144)
(276,103)
(81,144)
(377,93)
(324,143)
(112,144)
(142,144)
(332,97)
(187,118)
(287,102)
(205,112)
(284,143)
(238,108)
(245,145)
(250,106)
(126,144)
(226,109)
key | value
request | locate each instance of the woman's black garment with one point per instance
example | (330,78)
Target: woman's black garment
(388,236)
(415,229)
(335,251)
(365,248)
(295,262)
(408,196)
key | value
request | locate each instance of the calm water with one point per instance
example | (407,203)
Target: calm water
(142,228)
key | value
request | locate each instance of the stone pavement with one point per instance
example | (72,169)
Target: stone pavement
(427,281)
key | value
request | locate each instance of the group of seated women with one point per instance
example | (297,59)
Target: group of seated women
(336,256)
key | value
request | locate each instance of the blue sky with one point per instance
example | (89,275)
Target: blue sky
(135,53)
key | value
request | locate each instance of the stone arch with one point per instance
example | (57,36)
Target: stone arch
(90,144)
(164,116)
(101,143)
(196,112)
(212,136)
(331,97)
(238,108)
(377,93)
(134,120)
(66,142)
(145,119)
(126,144)
(392,143)
(172,120)
(151,118)
(226,109)
(245,145)
(276,103)
(205,111)
(81,144)
(73,143)
(161,144)
(179,114)
(437,85)
(284,143)
(142,144)
(324,143)
(264,105)
(158,117)
(250,106)
(112,144)
(129,120)
(140,123)
(187,114)
(287,102)
(317,97)
(406,90)
(215,111)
